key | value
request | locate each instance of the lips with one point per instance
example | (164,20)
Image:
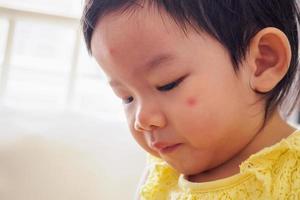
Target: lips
(164,147)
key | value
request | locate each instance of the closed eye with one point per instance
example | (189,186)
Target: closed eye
(170,86)
(163,88)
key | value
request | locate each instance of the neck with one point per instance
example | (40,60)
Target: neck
(275,130)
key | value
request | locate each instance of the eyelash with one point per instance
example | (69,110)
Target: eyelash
(164,88)
(170,86)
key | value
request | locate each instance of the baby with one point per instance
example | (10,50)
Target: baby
(203,83)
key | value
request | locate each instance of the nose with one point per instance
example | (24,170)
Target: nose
(149,116)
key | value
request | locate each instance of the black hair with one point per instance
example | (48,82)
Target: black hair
(232,22)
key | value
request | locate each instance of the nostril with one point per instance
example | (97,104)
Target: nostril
(138,127)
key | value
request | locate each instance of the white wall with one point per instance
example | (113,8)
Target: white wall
(55,155)
(62,133)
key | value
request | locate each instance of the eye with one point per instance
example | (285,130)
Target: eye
(127,100)
(170,86)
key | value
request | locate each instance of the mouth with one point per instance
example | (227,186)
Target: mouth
(165,148)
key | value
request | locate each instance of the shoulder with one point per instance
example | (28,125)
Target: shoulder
(287,170)
(275,155)
(278,167)
(160,180)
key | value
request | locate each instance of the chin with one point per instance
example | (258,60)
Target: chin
(187,169)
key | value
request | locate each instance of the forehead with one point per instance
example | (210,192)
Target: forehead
(137,25)
(125,43)
(130,36)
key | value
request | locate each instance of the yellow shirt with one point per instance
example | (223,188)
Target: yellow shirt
(271,174)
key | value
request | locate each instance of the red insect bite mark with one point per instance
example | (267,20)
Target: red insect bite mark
(191,101)
(112,51)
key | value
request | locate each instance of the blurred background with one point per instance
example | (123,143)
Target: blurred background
(62,132)
(55,106)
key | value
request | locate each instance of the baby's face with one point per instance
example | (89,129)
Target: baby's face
(183,101)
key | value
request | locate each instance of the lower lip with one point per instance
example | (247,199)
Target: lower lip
(169,149)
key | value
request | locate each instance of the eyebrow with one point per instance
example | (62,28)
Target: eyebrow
(158,60)
(150,65)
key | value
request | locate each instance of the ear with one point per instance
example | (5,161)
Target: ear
(269,59)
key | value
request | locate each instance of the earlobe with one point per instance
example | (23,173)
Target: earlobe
(269,59)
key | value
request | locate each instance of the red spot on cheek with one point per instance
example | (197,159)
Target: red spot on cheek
(112,51)
(191,101)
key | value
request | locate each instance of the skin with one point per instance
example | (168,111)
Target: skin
(192,98)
